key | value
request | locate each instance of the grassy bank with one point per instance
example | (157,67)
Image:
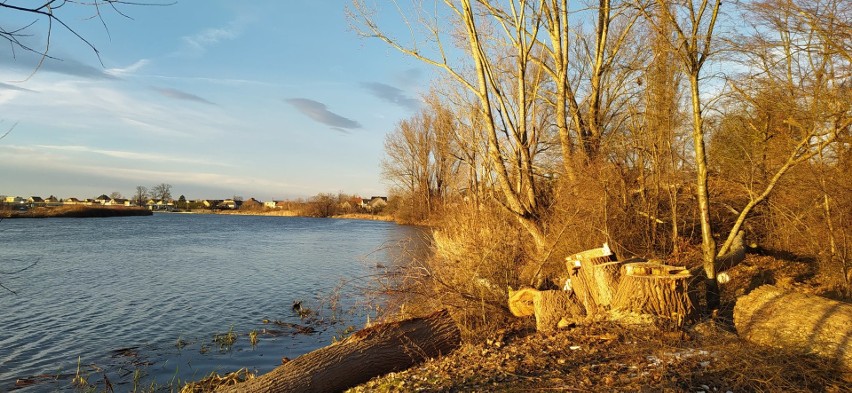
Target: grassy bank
(76,212)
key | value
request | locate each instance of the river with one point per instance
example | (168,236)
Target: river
(138,300)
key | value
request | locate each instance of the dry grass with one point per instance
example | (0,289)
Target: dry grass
(214,381)
(77,211)
(474,260)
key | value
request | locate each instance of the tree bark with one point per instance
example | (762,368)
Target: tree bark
(553,307)
(368,353)
(594,277)
(658,290)
(796,321)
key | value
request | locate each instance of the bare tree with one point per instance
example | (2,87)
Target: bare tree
(140,196)
(54,13)
(162,192)
(796,93)
(694,23)
(504,86)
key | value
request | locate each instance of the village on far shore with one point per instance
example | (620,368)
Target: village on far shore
(323,204)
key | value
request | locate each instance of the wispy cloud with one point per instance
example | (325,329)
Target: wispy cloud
(129,155)
(319,112)
(131,69)
(182,95)
(410,77)
(391,94)
(7,86)
(29,62)
(196,44)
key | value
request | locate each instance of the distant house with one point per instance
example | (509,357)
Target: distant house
(270,204)
(251,203)
(118,202)
(14,200)
(35,201)
(72,201)
(52,201)
(377,203)
(228,204)
(103,199)
(160,205)
(211,203)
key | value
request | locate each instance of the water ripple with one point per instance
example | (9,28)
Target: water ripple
(101,285)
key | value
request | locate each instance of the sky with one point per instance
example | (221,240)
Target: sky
(268,99)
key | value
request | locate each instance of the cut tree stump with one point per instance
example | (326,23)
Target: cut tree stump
(552,309)
(658,290)
(368,353)
(594,277)
(796,321)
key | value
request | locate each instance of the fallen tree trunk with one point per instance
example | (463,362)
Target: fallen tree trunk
(368,353)
(796,321)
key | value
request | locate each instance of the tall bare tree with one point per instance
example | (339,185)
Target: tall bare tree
(693,23)
(503,82)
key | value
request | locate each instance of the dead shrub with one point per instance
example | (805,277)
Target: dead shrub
(475,256)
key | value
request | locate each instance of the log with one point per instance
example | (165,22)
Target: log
(796,322)
(658,290)
(368,353)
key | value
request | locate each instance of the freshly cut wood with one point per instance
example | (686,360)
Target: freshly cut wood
(658,290)
(368,353)
(796,321)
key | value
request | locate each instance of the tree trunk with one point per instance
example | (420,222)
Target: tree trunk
(368,353)
(594,277)
(658,290)
(796,321)
(552,308)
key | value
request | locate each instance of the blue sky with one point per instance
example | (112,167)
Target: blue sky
(267,99)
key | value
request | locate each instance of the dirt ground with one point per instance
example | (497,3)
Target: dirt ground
(706,357)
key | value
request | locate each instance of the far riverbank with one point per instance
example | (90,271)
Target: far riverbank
(290,213)
(76,212)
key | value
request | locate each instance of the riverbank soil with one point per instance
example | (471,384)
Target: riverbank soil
(604,356)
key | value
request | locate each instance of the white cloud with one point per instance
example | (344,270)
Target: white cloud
(129,155)
(198,43)
(129,70)
(105,106)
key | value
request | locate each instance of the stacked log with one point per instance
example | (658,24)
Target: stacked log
(796,322)
(367,353)
(657,290)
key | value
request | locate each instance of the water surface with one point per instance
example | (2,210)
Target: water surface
(103,285)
